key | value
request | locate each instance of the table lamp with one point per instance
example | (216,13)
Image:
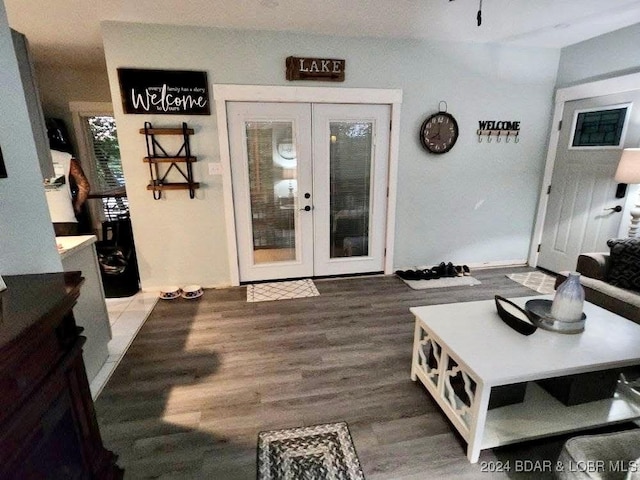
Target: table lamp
(629,172)
(3,286)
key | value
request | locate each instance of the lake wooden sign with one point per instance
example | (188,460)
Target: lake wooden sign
(324,69)
(164,92)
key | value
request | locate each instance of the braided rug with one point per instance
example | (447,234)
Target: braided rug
(320,452)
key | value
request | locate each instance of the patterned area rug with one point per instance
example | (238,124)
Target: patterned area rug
(320,452)
(442,282)
(265,292)
(539,281)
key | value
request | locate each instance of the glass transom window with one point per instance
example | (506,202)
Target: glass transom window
(600,128)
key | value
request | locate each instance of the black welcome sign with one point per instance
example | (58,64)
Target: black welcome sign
(164,92)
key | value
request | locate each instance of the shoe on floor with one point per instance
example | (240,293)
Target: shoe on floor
(428,274)
(465,270)
(440,270)
(450,270)
(408,274)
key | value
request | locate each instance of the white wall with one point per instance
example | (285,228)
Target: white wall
(473,205)
(27,242)
(606,56)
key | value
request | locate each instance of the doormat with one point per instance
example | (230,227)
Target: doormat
(442,282)
(266,292)
(320,452)
(539,281)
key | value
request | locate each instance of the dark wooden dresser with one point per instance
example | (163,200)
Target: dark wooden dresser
(48,427)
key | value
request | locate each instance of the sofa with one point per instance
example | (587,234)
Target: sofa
(609,456)
(611,279)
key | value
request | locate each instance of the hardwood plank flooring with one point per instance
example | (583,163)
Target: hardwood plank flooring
(203,377)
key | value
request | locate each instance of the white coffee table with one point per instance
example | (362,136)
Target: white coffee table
(489,353)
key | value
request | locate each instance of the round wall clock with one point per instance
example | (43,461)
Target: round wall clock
(439,132)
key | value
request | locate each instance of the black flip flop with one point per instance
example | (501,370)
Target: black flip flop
(408,274)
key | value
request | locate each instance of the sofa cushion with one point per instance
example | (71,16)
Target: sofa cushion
(615,452)
(624,267)
(624,295)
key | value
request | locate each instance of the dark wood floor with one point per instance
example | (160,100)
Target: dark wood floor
(203,377)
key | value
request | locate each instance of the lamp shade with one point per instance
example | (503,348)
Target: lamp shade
(288,173)
(629,167)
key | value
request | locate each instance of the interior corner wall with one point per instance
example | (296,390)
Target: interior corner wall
(606,56)
(474,205)
(27,241)
(59,85)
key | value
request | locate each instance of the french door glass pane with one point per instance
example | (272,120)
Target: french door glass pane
(350,183)
(273,189)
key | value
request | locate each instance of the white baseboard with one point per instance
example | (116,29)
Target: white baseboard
(500,264)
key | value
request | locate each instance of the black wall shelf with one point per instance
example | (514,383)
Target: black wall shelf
(161,163)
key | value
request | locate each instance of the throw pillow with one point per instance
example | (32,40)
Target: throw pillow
(624,263)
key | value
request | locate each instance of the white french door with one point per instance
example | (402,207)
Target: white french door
(309,188)
(350,170)
(270,146)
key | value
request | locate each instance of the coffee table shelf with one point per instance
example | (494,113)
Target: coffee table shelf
(541,415)
(461,351)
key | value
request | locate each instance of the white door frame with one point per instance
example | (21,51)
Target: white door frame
(598,88)
(268,93)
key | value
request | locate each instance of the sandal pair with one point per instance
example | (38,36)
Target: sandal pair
(409,274)
(426,274)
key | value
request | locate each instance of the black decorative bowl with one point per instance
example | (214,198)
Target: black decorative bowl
(514,316)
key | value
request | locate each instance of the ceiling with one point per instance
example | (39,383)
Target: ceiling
(67,32)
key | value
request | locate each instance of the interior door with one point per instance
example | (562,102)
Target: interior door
(581,212)
(309,187)
(271,169)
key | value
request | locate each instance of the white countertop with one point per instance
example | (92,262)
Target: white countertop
(68,245)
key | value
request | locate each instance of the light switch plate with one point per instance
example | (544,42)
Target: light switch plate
(215,168)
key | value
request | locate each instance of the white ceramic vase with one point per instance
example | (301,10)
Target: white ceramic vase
(568,303)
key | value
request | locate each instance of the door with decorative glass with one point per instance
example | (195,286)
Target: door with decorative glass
(309,188)
(583,211)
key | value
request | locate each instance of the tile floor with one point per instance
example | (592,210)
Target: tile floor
(126,316)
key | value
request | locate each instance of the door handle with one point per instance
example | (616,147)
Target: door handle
(307,208)
(617,208)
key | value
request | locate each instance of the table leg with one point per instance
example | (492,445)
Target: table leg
(478,420)
(416,345)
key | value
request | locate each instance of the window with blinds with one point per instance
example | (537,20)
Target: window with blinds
(103,141)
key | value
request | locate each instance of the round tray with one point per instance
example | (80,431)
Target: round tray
(540,311)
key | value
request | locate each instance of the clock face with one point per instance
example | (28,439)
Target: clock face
(439,133)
